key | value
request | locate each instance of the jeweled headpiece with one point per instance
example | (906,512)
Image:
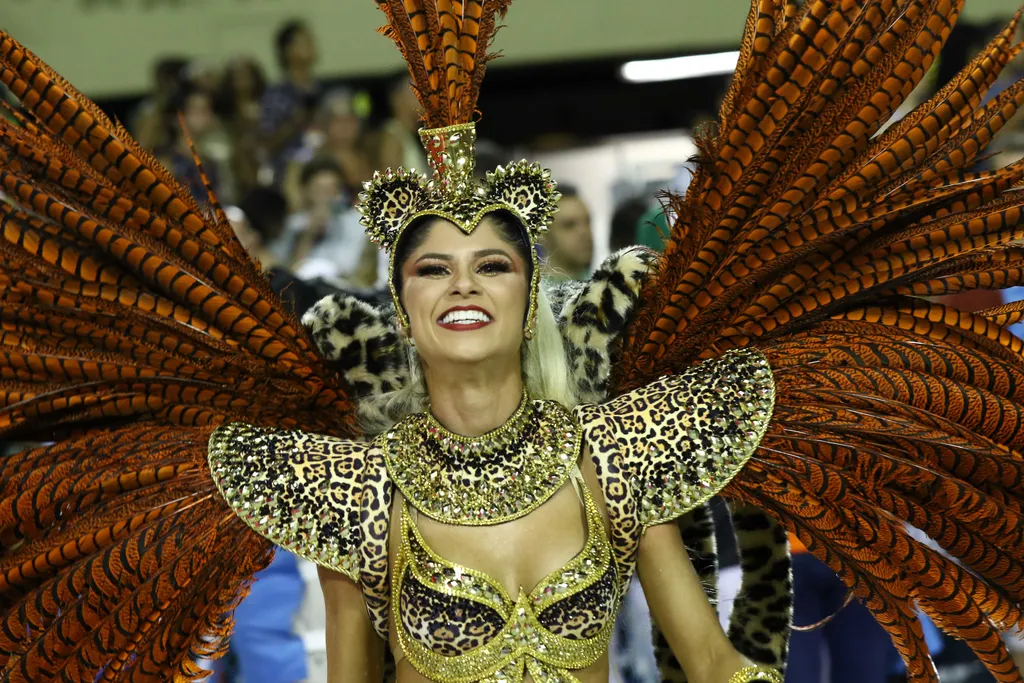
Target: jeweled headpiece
(445,44)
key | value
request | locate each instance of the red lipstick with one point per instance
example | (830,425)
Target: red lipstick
(473,318)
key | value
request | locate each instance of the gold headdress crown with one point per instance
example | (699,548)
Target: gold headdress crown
(393,199)
(445,44)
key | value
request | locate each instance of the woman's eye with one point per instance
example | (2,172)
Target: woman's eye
(493,267)
(432,270)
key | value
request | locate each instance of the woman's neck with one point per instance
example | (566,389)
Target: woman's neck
(473,403)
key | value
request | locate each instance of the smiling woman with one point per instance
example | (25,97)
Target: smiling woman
(452,284)
(777,354)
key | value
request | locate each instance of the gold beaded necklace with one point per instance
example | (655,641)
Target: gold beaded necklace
(496,477)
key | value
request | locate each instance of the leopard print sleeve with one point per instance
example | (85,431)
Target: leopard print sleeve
(303,492)
(670,446)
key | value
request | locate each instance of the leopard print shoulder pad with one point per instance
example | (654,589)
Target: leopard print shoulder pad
(670,446)
(310,494)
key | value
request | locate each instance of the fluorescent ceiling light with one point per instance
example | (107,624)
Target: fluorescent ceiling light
(678,68)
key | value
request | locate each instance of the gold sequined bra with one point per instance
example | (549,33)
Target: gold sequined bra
(462,625)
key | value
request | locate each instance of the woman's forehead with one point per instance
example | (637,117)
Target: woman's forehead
(442,235)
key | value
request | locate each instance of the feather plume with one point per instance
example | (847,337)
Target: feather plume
(445,43)
(813,232)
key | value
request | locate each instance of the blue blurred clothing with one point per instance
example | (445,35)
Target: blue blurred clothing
(264,644)
(858,649)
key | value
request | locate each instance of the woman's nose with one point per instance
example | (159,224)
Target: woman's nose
(464,282)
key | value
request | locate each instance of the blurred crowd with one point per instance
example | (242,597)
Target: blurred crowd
(287,158)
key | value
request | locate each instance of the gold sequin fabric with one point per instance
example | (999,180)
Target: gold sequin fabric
(298,490)
(494,478)
(459,625)
(663,449)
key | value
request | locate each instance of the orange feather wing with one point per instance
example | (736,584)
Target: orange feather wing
(812,232)
(132,323)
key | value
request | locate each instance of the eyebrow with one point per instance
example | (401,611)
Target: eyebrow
(476,254)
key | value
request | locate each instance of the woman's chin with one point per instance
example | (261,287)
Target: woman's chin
(468,350)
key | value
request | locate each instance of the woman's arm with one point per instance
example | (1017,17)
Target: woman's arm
(681,608)
(355,653)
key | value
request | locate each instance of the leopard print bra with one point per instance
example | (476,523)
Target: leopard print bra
(462,625)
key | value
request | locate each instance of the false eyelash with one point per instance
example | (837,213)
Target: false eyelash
(432,269)
(496,267)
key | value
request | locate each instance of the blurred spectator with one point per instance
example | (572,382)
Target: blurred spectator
(399,140)
(239,106)
(148,123)
(265,211)
(568,246)
(855,647)
(288,106)
(626,222)
(339,138)
(201,124)
(325,239)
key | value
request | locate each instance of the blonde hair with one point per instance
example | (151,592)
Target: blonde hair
(545,369)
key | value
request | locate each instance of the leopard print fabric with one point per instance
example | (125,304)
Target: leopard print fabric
(361,342)
(450,625)
(592,316)
(664,449)
(325,499)
(761,620)
(584,615)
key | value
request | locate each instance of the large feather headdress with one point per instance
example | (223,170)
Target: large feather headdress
(446,43)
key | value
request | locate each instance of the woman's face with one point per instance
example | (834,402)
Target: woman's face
(465,295)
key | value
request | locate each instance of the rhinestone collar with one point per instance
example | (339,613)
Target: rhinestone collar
(489,479)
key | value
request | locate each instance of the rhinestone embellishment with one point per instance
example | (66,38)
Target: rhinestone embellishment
(494,478)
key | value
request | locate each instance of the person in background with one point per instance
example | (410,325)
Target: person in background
(148,122)
(339,138)
(264,647)
(857,648)
(398,141)
(201,124)
(324,239)
(568,245)
(266,212)
(287,107)
(238,103)
(625,223)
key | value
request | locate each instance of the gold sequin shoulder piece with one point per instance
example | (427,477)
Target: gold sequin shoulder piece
(673,444)
(300,491)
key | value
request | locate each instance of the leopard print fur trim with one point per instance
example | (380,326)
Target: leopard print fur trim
(593,314)
(360,341)
(762,614)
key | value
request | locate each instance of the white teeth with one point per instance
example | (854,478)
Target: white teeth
(465,318)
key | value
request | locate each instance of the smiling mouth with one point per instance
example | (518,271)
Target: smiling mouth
(464,319)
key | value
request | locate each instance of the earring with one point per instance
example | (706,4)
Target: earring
(408,337)
(528,332)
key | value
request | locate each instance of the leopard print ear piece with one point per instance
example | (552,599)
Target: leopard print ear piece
(388,201)
(361,342)
(528,189)
(592,315)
